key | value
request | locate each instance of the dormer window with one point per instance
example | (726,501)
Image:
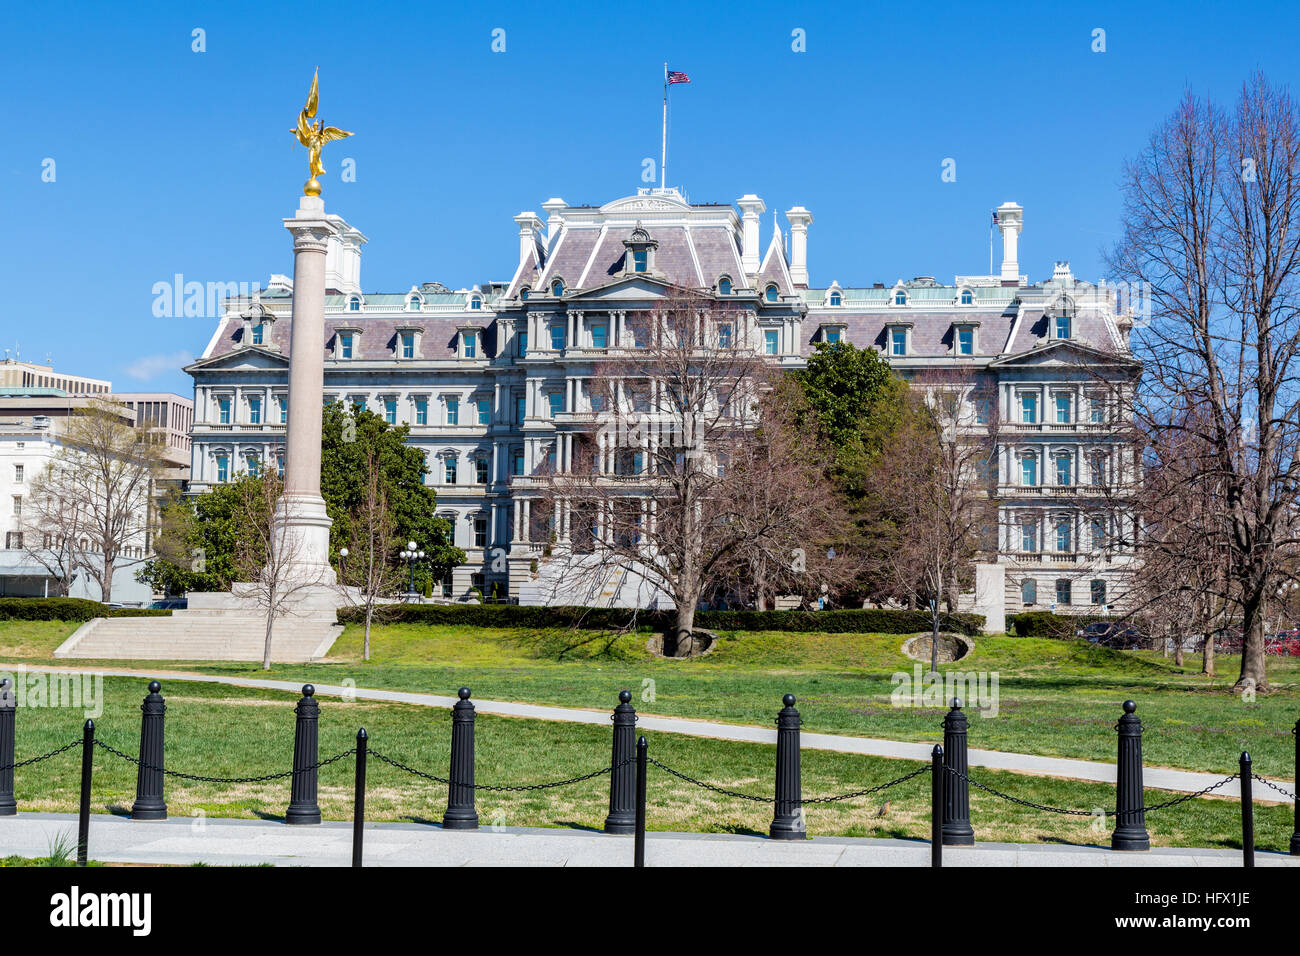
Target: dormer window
(771,293)
(832,336)
(1061,326)
(836,298)
(900,297)
(1062,313)
(413,304)
(724,286)
(523,294)
(557,287)
(639,257)
(967,297)
(475,303)
(345,345)
(469,344)
(354,304)
(257,334)
(408,345)
(899,340)
(965,338)
(640,260)
(833,333)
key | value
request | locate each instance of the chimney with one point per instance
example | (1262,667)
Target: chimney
(529,223)
(554,220)
(1011,219)
(799,219)
(751,208)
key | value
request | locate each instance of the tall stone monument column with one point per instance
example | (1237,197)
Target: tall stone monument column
(304,527)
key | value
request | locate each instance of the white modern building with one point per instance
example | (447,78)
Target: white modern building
(494,380)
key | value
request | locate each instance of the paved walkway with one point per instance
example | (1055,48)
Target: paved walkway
(1179,781)
(249,842)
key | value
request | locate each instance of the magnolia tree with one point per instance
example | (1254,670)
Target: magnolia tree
(1212,232)
(696,479)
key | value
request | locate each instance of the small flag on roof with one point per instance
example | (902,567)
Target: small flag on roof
(995,217)
(675,77)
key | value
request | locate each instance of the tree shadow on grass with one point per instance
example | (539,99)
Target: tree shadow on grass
(574,644)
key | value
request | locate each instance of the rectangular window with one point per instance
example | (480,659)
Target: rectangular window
(480,471)
(521,407)
(223,468)
(223,411)
(556,400)
(1098,470)
(1063,327)
(639,260)
(408,345)
(345,345)
(14,540)
(1097,411)
(1029,409)
(254,465)
(1062,409)
(449,470)
(599,339)
(390,411)
(1029,471)
(1063,535)
(1098,590)
(1063,591)
(770,342)
(421,411)
(517,462)
(480,532)
(254,411)
(898,341)
(557,337)
(471,345)
(284,410)
(257,335)
(484,408)
(1029,536)
(18,474)
(724,336)
(1098,533)
(1063,469)
(279,464)
(832,336)
(453,411)
(1029,592)
(965,341)
(18,505)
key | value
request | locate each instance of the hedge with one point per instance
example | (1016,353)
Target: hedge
(67,609)
(851,621)
(1049,624)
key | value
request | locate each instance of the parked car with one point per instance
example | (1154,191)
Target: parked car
(1283,644)
(170,604)
(1228,640)
(1121,637)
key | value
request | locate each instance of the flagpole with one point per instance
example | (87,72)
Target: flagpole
(663,156)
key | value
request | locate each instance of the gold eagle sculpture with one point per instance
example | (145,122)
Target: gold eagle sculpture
(314,137)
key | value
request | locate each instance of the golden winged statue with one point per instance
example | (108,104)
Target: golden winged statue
(314,137)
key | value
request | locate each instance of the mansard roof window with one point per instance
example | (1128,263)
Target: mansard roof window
(476,303)
(1061,325)
(354,304)
(523,293)
(771,293)
(900,297)
(724,285)
(967,297)
(836,298)
(640,251)
(557,287)
(413,303)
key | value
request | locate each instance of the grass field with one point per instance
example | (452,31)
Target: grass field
(1058,698)
(231,732)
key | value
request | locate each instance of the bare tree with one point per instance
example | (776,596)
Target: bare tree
(931,507)
(100,481)
(1212,232)
(694,470)
(268,555)
(370,574)
(52,532)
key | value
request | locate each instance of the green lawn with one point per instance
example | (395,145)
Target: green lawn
(1054,697)
(223,731)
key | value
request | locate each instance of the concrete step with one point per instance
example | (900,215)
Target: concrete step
(235,637)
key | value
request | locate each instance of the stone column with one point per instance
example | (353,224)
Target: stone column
(301,507)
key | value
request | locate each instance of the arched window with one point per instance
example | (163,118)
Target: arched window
(557,288)
(354,304)
(771,293)
(414,303)
(836,298)
(900,297)
(724,286)
(476,303)
(523,294)
(1028,592)
(967,297)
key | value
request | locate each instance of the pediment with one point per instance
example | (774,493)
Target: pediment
(626,288)
(1062,353)
(250,359)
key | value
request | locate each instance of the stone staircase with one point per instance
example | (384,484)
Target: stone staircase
(202,636)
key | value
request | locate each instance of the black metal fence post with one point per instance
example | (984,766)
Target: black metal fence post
(8,713)
(622,778)
(149,803)
(83,815)
(957,829)
(787,818)
(1247,813)
(937,773)
(638,842)
(359,798)
(1130,814)
(1295,827)
(461,814)
(303,808)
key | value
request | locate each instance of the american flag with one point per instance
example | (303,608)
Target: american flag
(674,77)
(995,217)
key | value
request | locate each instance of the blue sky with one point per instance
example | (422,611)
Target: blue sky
(170,161)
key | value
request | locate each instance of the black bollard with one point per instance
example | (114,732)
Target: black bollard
(957,830)
(359,798)
(1247,814)
(937,773)
(787,820)
(638,842)
(149,803)
(8,711)
(1295,828)
(622,779)
(460,813)
(303,808)
(83,814)
(1130,816)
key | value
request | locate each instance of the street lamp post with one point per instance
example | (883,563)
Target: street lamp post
(343,565)
(410,556)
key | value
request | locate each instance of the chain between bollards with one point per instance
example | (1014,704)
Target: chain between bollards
(149,800)
(1247,814)
(359,798)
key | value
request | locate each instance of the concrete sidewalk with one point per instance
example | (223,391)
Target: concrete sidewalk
(1179,781)
(220,842)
